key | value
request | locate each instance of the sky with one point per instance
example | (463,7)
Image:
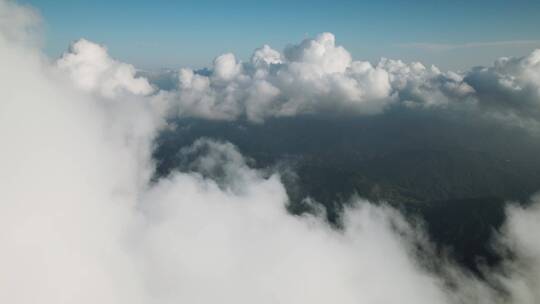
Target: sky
(170,34)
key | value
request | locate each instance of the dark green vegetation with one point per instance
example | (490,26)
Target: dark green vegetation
(454,172)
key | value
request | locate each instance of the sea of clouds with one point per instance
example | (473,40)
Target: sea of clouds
(82,221)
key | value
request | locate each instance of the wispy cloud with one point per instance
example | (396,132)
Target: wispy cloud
(430,46)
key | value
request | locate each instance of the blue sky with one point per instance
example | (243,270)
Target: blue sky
(160,33)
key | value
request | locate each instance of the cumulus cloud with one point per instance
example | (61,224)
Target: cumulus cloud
(417,85)
(91,68)
(321,54)
(81,221)
(310,77)
(317,76)
(313,77)
(511,85)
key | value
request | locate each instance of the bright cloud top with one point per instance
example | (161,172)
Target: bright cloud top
(91,68)
(315,76)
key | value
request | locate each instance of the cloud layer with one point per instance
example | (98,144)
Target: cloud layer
(81,221)
(511,85)
(316,76)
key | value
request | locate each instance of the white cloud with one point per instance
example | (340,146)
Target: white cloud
(313,77)
(80,221)
(19,24)
(317,76)
(511,84)
(91,68)
(420,86)
(226,68)
(509,90)
(520,235)
(321,54)
(265,56)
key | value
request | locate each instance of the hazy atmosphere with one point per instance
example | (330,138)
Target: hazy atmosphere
(316,152)
(454,35)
